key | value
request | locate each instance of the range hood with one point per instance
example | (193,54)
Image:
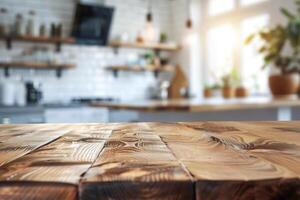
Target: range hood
(92,24)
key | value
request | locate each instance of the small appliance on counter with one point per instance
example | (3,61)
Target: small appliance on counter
(159,91)
(33,93)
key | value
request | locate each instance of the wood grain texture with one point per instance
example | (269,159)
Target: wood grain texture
(19,141)
(228,159)
(136,164)
(38,191)
(197,160)
(62,161)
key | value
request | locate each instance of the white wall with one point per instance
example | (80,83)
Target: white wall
(191,55)
(89,79)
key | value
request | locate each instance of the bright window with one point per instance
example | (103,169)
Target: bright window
(220,6)
(251,63)
(250,2)
(224,42)
(220,48)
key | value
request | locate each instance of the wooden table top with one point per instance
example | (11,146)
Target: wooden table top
(203,160)
(197,105)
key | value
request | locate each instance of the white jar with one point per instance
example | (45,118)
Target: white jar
(20,94)
(7,93)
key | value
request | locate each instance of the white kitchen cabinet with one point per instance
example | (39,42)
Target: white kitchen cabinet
(22,115)
(76,115)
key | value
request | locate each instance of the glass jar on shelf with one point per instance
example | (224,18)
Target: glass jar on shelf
(3,28)
(30,28)
(18,25)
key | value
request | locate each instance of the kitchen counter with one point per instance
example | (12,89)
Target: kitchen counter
(253,108)
(200,160)
(53,113)
(196,105)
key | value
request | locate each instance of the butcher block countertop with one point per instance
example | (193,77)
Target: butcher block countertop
(204,160)
(197,105)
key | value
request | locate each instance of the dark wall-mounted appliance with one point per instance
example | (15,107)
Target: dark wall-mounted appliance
(92,24)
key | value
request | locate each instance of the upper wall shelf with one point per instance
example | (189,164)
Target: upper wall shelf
(151,46)
(35,65)
(58,41)
(155,70)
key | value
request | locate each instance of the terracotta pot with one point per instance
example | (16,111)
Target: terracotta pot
(241,92)
(207,93)
(228,92)
(284,84)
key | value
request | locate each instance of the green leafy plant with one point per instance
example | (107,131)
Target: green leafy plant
(163,37)
(212,87)
(275,39)
(232,79)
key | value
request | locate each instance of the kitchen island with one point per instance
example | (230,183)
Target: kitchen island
(252,108)
(191,160)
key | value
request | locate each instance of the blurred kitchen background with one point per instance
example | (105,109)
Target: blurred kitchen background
(71,61)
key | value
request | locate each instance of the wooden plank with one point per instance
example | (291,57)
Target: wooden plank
(167,68)
(136,164)
(34,191)
(62,161)
(21,140)
(229,163)
(205,160)
(41,39)
(283,189)
(36,65)
(153,46)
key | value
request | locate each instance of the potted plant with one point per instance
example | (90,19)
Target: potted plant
(211,90)
(230,83)
(228,90)
(240,90)
(281,47)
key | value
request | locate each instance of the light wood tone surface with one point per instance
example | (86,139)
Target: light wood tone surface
(136,164)
(178,82)
(140,69)
(40,39)
(152,46)
(197,160)
(210,105)
(37,65)
(19,141)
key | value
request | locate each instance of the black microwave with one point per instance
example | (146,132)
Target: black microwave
(92,24)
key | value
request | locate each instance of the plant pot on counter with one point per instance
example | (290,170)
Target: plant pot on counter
(241,92)
(228,92)
(284,84)
(207,93)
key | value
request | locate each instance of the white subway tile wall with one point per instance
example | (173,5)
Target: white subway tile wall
(89,79)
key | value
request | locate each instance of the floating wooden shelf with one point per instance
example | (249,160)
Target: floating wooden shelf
(38,39)
(35,65)
(116,69)
(152,46)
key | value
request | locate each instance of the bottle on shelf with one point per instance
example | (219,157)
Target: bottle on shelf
(30,24)
(3,28)
(42,30)
(18,25)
